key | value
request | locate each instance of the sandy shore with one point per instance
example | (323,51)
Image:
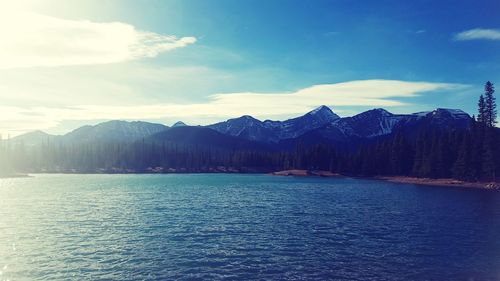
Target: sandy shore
(442,182)
(305,173)
(398,179)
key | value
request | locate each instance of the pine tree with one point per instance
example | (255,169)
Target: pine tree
(481,116)
(489,138)
(490,107)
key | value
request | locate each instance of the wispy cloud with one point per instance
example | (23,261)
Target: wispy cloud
(478,34)
(368,93)
(29,40)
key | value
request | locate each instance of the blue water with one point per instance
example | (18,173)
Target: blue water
(243,227)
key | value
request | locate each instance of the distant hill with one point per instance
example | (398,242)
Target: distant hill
(111,131)
(205,137)
(115,131)
(179,124)
(34,138)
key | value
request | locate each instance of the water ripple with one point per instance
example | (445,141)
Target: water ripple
(243,227)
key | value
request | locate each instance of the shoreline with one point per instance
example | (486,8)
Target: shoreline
(14,176)
(440,182)
(443,182)
(305,173)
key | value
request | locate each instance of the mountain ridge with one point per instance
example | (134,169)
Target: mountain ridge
(318,125)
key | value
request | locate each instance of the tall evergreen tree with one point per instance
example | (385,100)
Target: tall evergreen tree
(481,115)
(489,161)
(490,105)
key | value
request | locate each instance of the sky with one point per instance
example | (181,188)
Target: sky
(64,64)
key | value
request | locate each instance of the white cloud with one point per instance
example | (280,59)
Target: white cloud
(29,39)
(478,34)
(368,93)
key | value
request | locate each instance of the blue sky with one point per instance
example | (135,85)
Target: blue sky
(204,61)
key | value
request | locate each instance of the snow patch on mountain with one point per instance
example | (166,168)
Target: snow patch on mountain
(274,131)
(368,124)
(318,123)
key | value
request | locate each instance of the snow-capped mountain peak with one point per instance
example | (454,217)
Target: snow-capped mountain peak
(319,109)
(323,112)
(273,131)
(455,113)
(368,124)
(245,118)
(382,112)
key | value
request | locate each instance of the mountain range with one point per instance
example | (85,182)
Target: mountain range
(320,125)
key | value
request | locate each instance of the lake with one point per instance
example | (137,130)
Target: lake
(242,227)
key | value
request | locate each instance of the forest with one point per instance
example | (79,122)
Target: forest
(470,154)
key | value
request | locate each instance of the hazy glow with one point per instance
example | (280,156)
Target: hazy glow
(29,40)
(263,105)
(64,64)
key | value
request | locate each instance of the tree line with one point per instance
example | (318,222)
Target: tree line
(470,154)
